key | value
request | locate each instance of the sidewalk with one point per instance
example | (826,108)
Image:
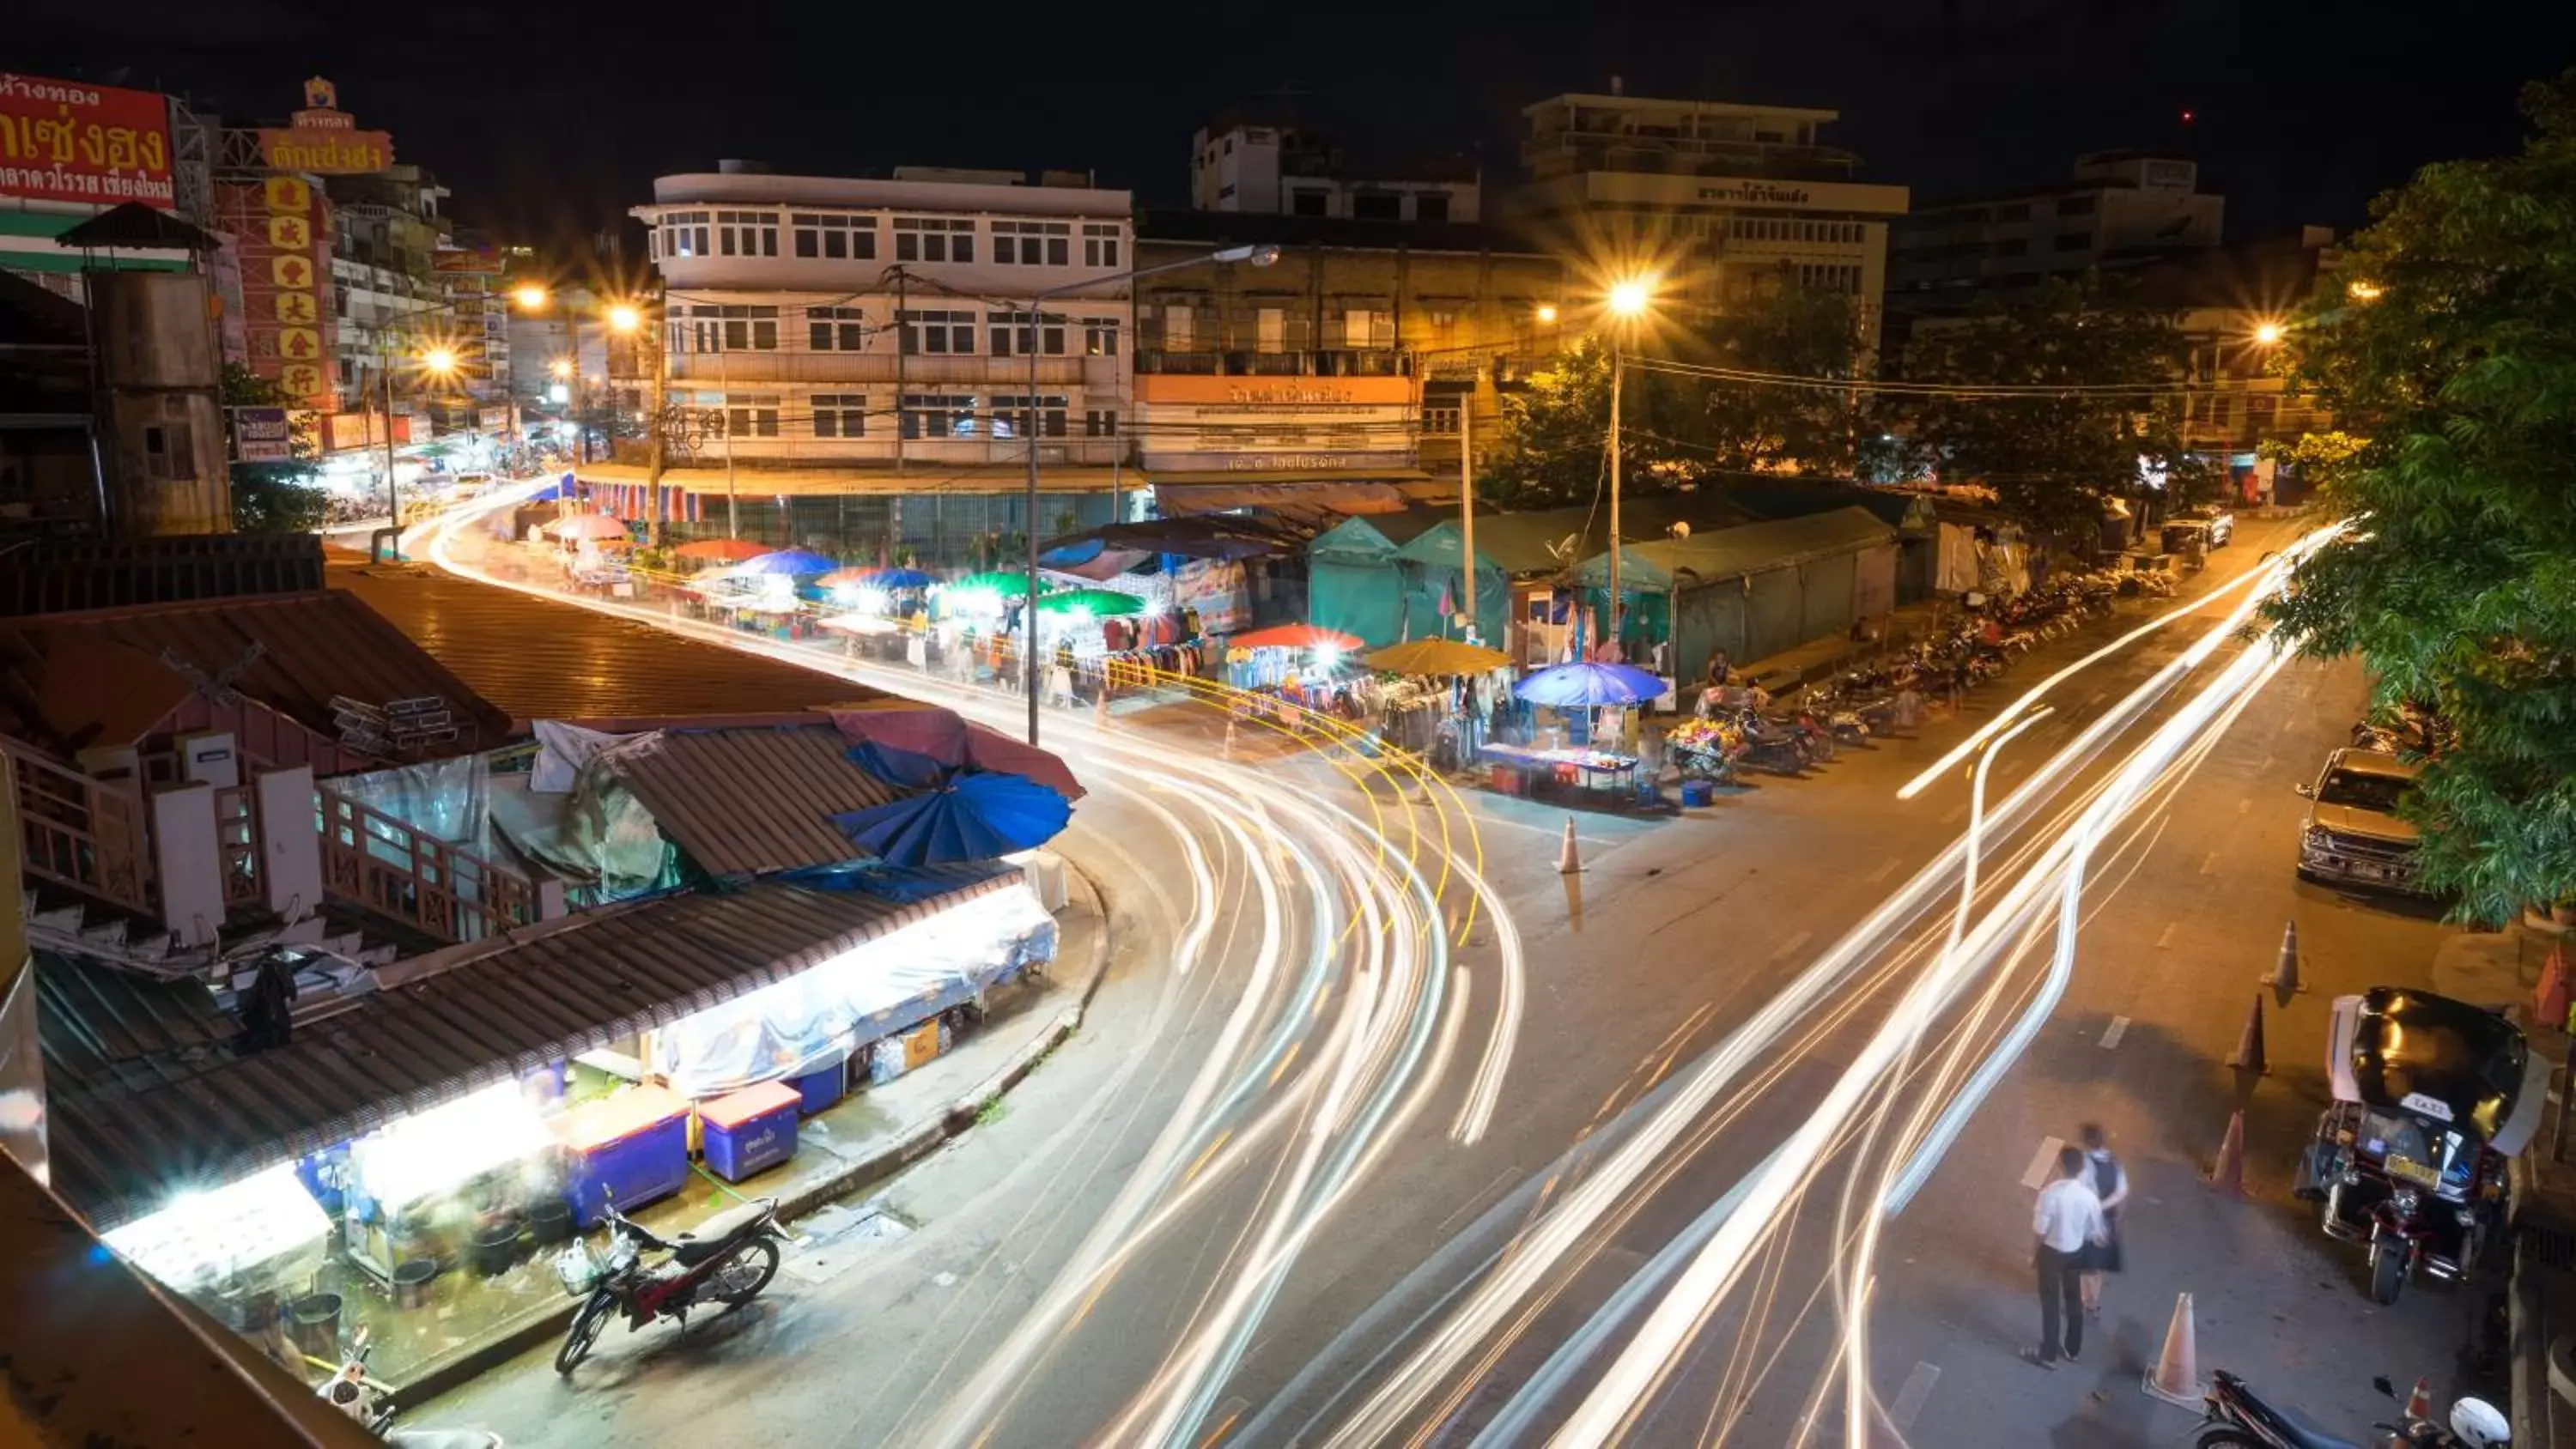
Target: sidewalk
(866,1139)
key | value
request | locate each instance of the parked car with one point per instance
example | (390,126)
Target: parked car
(2220,523)
(2353,834)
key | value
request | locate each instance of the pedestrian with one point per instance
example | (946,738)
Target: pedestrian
(2068,1218)
(2110,1183)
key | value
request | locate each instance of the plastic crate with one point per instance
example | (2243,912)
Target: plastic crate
(823,1086)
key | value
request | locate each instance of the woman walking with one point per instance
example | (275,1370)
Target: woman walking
(2110,1183)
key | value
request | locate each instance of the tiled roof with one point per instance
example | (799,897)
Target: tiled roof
(543,660)
(548,992)
(750,800)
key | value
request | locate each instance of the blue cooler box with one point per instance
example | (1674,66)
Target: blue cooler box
(632,1148)
(750,1131)
(824,1085)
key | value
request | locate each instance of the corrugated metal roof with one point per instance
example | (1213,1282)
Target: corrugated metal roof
(543,660)
(100,1027)
(551,992)
(1733,552)
(309,647)
(750,801)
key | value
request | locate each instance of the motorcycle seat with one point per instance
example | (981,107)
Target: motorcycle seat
(2306,1433)
(703,1240)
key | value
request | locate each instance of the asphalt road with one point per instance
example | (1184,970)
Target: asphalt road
(1265,1196)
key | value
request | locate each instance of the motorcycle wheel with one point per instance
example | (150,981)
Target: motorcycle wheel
(2387,1274)
(740,1280)
(2226,1439)
(586,1326)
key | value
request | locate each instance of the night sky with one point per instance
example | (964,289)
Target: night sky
(548,119)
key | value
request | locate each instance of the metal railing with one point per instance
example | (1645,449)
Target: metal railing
(383,864)
(87,834)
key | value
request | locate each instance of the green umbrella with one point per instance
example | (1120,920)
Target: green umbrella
(1009,586)
(1098,603)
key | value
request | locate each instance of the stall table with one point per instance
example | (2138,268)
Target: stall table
(1531,770)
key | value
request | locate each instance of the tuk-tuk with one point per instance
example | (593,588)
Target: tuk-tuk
(2431,1098)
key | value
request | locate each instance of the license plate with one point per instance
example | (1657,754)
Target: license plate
(2412,1171)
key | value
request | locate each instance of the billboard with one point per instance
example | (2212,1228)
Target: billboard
(65,141)
(262,435)
(466,259)
(326,151)
(282,227)
(1276,424)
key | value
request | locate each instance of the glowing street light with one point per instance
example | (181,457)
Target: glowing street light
(530,296)
(1628,301)
(1630,298)
(624,318)
(2267,334)
(561,367)
(1547,314)
(438,361)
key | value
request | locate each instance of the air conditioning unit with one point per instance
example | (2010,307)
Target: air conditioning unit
(110,762)
(209,759)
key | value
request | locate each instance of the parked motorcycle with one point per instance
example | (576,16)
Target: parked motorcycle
(2235,1416)
(727,1259)
(370,1401)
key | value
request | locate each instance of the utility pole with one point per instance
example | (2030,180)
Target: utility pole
(1467,505)
(1618,371)
(656,423)
(894,500)
(724,390)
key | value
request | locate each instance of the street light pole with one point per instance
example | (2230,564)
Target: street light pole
(1259,256)
(1618,372)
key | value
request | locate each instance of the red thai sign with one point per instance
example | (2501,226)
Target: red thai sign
(282,227)
(66,141)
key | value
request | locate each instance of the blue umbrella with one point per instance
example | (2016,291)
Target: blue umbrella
(1588,684)
(790,561)
(972,817)
(895,578)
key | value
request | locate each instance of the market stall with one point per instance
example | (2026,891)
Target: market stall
(1440,697)
(1580,740)
(432,1187)
(243,1251)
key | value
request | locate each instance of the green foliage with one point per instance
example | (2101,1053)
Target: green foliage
(2457,583)
(2327,461)
(1552,448)
(1751,428)
(273,497)
(2051,460)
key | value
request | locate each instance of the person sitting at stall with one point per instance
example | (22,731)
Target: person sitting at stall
(1720,672)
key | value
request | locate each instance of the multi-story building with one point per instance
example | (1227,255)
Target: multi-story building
(1264,159)
(828,340)
(2231,304)
(2121,209)
(1353,360)
(1720,200)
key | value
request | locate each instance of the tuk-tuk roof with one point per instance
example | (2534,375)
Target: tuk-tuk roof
(2417,1052)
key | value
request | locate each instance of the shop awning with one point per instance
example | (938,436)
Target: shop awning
(545,993)
(749,801)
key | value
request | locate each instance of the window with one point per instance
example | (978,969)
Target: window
(2074,241)
(1011,416)
(1225,192)
(1099,245)
(938,332)
(1440,419)
(1308,201)
(1180,327)
(169,453)
(747,233)
(840,415)
(2017,211)
(684,234)
(2017,247)
(1364,328)
(751,415)
(1032,243)
(933,239)
(733,328)
(1012,337)
(1270,329)
(1377,206)
(1099,423)
(938,415)
(1100,336)
(2076,205)
(835,238)
(1431,206)
(836,329)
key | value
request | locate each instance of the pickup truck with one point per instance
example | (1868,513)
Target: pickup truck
(2353,835)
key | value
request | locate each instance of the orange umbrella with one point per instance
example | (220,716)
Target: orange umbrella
(721,550)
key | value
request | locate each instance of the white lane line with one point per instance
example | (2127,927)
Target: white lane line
(2111,1034)
(2244,803)
(2043,1164)
(2267,763)
(1880,874)
(2094,703)
(1956,813)
(1792,944)
(2209,866)
(1552,832)
(1909,1399)
(2164,937)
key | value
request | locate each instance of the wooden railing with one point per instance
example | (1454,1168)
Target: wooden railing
(388,867)
(237,844)
(87,834)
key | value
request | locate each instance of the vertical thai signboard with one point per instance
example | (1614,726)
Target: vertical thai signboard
(282,226)
(66,141)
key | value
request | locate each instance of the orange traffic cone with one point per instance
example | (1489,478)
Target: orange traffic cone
(1568,859)
(1227,751)
(2249,1047)
(2227,1175)
(2285,972)
(2549,999)
(2419,1404)
(1100,708)
(2176,1376)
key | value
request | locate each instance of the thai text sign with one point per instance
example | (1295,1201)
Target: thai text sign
(326,151)
(262,435)
(63,141)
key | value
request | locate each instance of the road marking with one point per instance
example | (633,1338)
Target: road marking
(1552,832)
(2094,703)
(1909,1399)
(2164,938)
(1881,873)
(2244,803)
(1792,944)
(2267,759)
(2111,1034)
(1956,811)
(2209,866)
(2043,1164)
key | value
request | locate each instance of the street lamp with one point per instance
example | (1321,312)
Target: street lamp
(1259,256)
(2267,334)
(1627,302)
(623,318)
(1547,314)
(438,361)
(531,296)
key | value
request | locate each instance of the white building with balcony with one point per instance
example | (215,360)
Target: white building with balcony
(831,338)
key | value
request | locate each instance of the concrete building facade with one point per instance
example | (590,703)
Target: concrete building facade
(2120,208)
(1265,160)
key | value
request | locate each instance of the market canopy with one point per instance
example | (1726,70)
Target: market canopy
(1223,537)
(585,525)
(992,581)
(1734,552)
(1434,657)
(721,550)
(876,576)
(1097,603)
(790,561)
(1297,636)
(1586,684)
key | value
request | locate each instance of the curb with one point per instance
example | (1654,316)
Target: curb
(541,1325)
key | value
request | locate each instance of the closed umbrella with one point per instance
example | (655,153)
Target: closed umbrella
(1098,603)
(586,525)
(790,561)
(1436,657)
(720,550)
(966,817)
(1589,685)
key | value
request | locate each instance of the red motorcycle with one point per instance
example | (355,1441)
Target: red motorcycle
(727,1259)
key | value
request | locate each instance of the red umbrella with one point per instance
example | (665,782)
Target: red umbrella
(722,550)
(1297,636)
(953,741)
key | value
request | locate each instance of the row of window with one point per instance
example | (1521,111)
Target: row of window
(751,327)
(924,415)
(1271,332)
(1782,229)
(1828,277)
(818,236)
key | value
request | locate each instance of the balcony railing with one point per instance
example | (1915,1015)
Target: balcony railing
(733,369)
(83,833)
(394,870)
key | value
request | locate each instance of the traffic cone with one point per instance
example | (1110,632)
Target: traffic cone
(1100,708)
(2549,999)
(2285,972)
(1227,751)
(2419,1404)
(2249,1047)
(1568,859)
(2227,1174)
(2176,1376)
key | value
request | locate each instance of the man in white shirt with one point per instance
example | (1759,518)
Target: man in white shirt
(2068,1217)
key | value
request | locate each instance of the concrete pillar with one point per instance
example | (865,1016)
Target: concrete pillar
(290,848)
(187,856)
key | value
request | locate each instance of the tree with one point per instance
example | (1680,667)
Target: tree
(2443,331)
(2326,461)
(1752,427)
(1553,444)
(2052,459)
(273,497)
